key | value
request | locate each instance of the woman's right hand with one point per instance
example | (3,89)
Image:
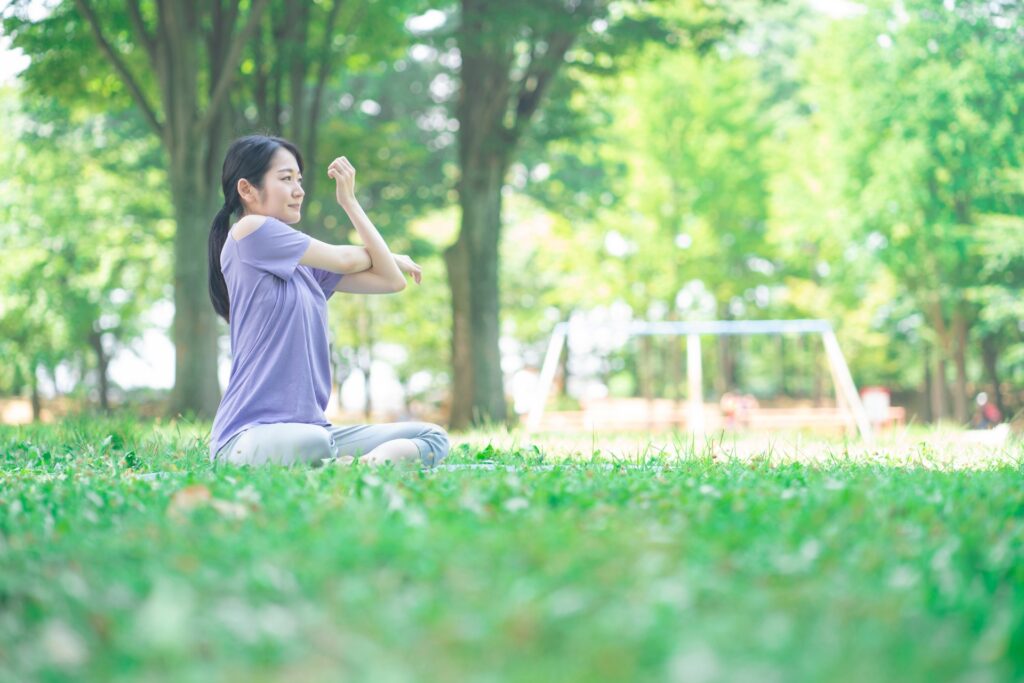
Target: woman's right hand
(344,175)
(409,267)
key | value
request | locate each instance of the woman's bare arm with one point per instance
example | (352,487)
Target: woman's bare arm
(384,274)
(336,258)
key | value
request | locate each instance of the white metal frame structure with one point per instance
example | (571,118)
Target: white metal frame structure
(846,391)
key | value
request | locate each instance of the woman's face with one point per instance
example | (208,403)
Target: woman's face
(282,194)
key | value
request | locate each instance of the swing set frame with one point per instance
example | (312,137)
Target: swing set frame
(847,398)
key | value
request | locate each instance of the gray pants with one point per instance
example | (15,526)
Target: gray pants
(288,443)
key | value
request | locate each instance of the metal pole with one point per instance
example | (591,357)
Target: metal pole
(844,384)
(547,376)
(695,383)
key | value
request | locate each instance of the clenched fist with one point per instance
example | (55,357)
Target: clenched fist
(344,175)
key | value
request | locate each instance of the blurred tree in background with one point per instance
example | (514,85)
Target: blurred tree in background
(921,106)
(91,249)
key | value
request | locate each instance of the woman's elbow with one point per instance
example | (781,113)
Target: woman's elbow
(398,285)
(346,264)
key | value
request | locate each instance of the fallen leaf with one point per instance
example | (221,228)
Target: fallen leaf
(188,499)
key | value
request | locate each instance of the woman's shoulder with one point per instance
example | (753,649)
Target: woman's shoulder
(247,225)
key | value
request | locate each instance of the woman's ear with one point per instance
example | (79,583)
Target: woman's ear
(246,191)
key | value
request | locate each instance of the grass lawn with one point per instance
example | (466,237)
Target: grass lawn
(544,567)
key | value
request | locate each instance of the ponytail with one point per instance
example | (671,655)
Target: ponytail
(247,157)
(218,236)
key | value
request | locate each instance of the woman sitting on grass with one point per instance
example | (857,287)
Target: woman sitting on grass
(271,283)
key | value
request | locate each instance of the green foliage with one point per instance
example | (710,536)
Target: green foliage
(86,232)
(914,131)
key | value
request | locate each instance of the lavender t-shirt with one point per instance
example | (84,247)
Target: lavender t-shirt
(280,365)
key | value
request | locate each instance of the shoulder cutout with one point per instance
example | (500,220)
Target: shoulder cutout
(246,226)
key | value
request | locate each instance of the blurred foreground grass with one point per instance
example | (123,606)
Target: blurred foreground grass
(542,568)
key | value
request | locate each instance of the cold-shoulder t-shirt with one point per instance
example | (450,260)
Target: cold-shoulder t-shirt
(280,365)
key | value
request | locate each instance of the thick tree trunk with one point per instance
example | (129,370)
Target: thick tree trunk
(193,132)
(459,278)
(196,200)
(472,263)
(494,109)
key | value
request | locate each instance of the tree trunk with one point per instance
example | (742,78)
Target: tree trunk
(940,351)
(102,362)
(926,390)
(959,333)
(193,97)
(37,404)
(459,279)
(195,331)
(675,364)
(646,368)
(990,358)
(938,386)
(472,264)
(563,364)
(494,109)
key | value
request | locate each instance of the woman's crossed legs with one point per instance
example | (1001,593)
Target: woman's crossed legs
(288,443)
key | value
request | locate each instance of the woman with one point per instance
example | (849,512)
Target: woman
(271,283)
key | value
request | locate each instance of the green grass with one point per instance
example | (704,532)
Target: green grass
(694,569)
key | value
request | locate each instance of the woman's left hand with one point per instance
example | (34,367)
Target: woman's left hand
(409,267)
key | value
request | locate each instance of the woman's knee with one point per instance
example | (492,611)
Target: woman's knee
(282,444)
(313,447)
(438,444)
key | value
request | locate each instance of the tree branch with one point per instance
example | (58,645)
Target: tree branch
(227,74)
(140,29)
(542,72)
(121,68)
(539,76)
(325,64)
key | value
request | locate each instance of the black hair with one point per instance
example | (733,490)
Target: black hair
(247,157)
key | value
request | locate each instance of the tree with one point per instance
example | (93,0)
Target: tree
(180,64)
(177,61)
(693,133)
(82,267)
(924,99)
(510,56)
